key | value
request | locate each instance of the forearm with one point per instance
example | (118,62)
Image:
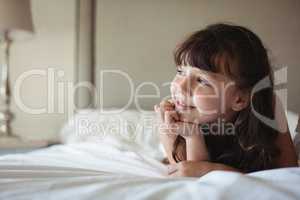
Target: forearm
(198,168)
(196,148)
(168,142)
(223,167)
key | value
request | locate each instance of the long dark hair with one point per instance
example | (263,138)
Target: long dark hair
(238,53)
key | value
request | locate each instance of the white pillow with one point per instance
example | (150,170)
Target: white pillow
(128,130)
(131,130)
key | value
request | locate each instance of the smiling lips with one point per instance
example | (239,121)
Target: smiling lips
(182,106)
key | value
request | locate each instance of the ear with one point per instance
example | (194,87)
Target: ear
(240,100)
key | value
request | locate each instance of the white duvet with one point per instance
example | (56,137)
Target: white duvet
(102,171)
(118,167)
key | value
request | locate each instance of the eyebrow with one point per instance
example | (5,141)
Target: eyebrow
(210,75)
(201,72)
(204,73)
(213,75)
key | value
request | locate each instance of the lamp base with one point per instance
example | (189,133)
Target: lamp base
(5,95)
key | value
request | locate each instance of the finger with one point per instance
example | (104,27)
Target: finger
(162,107)
(187,129)
(174,174)
(172,168)
(171,117)
(167,105)
(160,113)
(187,116)
(171,101)
(170,104)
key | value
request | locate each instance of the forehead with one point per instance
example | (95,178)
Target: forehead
(212,75)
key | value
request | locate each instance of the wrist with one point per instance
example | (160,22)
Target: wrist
(194,137)
(196,149)
(219,166)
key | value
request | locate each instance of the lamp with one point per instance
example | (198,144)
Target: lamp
(15,24)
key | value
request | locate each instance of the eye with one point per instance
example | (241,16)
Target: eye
(203,82)
(180,72)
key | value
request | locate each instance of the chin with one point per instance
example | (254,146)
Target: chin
(194,116)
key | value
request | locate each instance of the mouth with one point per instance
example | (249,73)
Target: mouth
(182,106)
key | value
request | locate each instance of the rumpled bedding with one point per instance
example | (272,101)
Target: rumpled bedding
(102,171)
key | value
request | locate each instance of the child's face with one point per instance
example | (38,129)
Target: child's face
(201,96)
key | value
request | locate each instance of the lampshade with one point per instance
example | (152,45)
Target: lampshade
(16,19)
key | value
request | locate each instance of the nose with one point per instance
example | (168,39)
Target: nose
(184,86)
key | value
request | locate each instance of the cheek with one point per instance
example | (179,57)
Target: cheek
(207,105)
(229,97)
(173,91)
(174,85)
(207,101)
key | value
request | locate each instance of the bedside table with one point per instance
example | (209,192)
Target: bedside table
(14,145)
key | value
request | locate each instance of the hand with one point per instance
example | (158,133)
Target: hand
(190,169)
(170,127)
(167,118)
(170,121)
(195,169)
(187,130)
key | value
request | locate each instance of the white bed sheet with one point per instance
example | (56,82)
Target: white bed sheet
(102,171)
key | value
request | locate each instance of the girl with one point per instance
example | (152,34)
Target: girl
(223,114)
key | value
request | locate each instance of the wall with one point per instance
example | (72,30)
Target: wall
(52,46)
(138,36)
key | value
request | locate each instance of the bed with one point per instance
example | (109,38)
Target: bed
(125,163)
(100,159)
